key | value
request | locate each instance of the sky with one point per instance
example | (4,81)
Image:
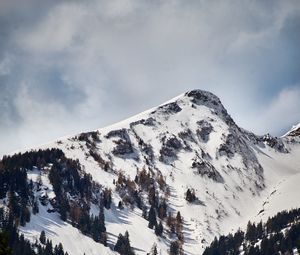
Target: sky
(72,66)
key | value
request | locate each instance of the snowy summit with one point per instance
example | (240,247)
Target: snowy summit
(175,177)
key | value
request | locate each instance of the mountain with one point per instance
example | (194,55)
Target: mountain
(279,235)
(294,132)
(186,155)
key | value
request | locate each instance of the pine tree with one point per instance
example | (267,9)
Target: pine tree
(152,197)
(58,250)
(43,237)
(251,232)
(39,181)
(35,207)
(102,218)
(174,248)
(152,217)
(190,195)
(178,218)
(48,248)
(4,247)
(162,209)
(107,198)
(103,238)
(95,229)
(159,229)
(120,205)
(64,207)
(123,245)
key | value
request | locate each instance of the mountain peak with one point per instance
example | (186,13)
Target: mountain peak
(202,94)
(188,145)
(295,131)
(195,99)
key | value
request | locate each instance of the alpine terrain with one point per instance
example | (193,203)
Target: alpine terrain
(166,181)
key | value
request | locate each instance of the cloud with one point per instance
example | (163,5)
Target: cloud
(67,66)
(280,114)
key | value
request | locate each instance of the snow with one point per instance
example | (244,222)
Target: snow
(59,231)
(223,206)
(284,177)
(294,127)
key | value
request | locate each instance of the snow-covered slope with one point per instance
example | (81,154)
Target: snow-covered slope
(294,132)
(194,144)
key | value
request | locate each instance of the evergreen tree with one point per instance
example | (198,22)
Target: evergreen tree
(190,195)
(102,219)
(175,248)
(95,229)
(43,237)
(4,247)
(162,209)
(107,198)
(123,245)
(152,218)
(48,248)
(120,205)
(58,250)
(152,197)
(35,207)
(64,207)
(251,232)
(159,229)
(178,218)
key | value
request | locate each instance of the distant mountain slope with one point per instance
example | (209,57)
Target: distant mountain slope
(186,156)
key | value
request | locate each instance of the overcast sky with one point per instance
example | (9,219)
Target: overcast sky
(69,66)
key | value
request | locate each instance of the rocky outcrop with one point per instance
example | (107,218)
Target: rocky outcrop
(124,147)
(200,97)
(274,142)
(170,108)
(204,130)
(295,132)
(204,168)
(169,149)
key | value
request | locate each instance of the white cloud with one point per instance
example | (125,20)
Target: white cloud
(5,65)
(283,109)
(126,56)
(56,31)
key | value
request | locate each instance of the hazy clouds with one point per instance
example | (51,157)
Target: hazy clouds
(67,66)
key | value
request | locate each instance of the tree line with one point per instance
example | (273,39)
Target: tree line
(279,235)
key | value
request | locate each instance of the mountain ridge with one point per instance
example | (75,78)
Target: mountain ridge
(188,143)
(133,118)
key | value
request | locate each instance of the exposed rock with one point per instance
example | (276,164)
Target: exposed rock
(102,163)
(295,132)
(228,148)
(168,152)
(204,131)
(122,133)
(147,149)
(187,135)
(170,108)
(174,143)
(274,142)
(237,144)
(90,138)
(204,168)
(200,97)
(123,147)
(147,122)
(150,121)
